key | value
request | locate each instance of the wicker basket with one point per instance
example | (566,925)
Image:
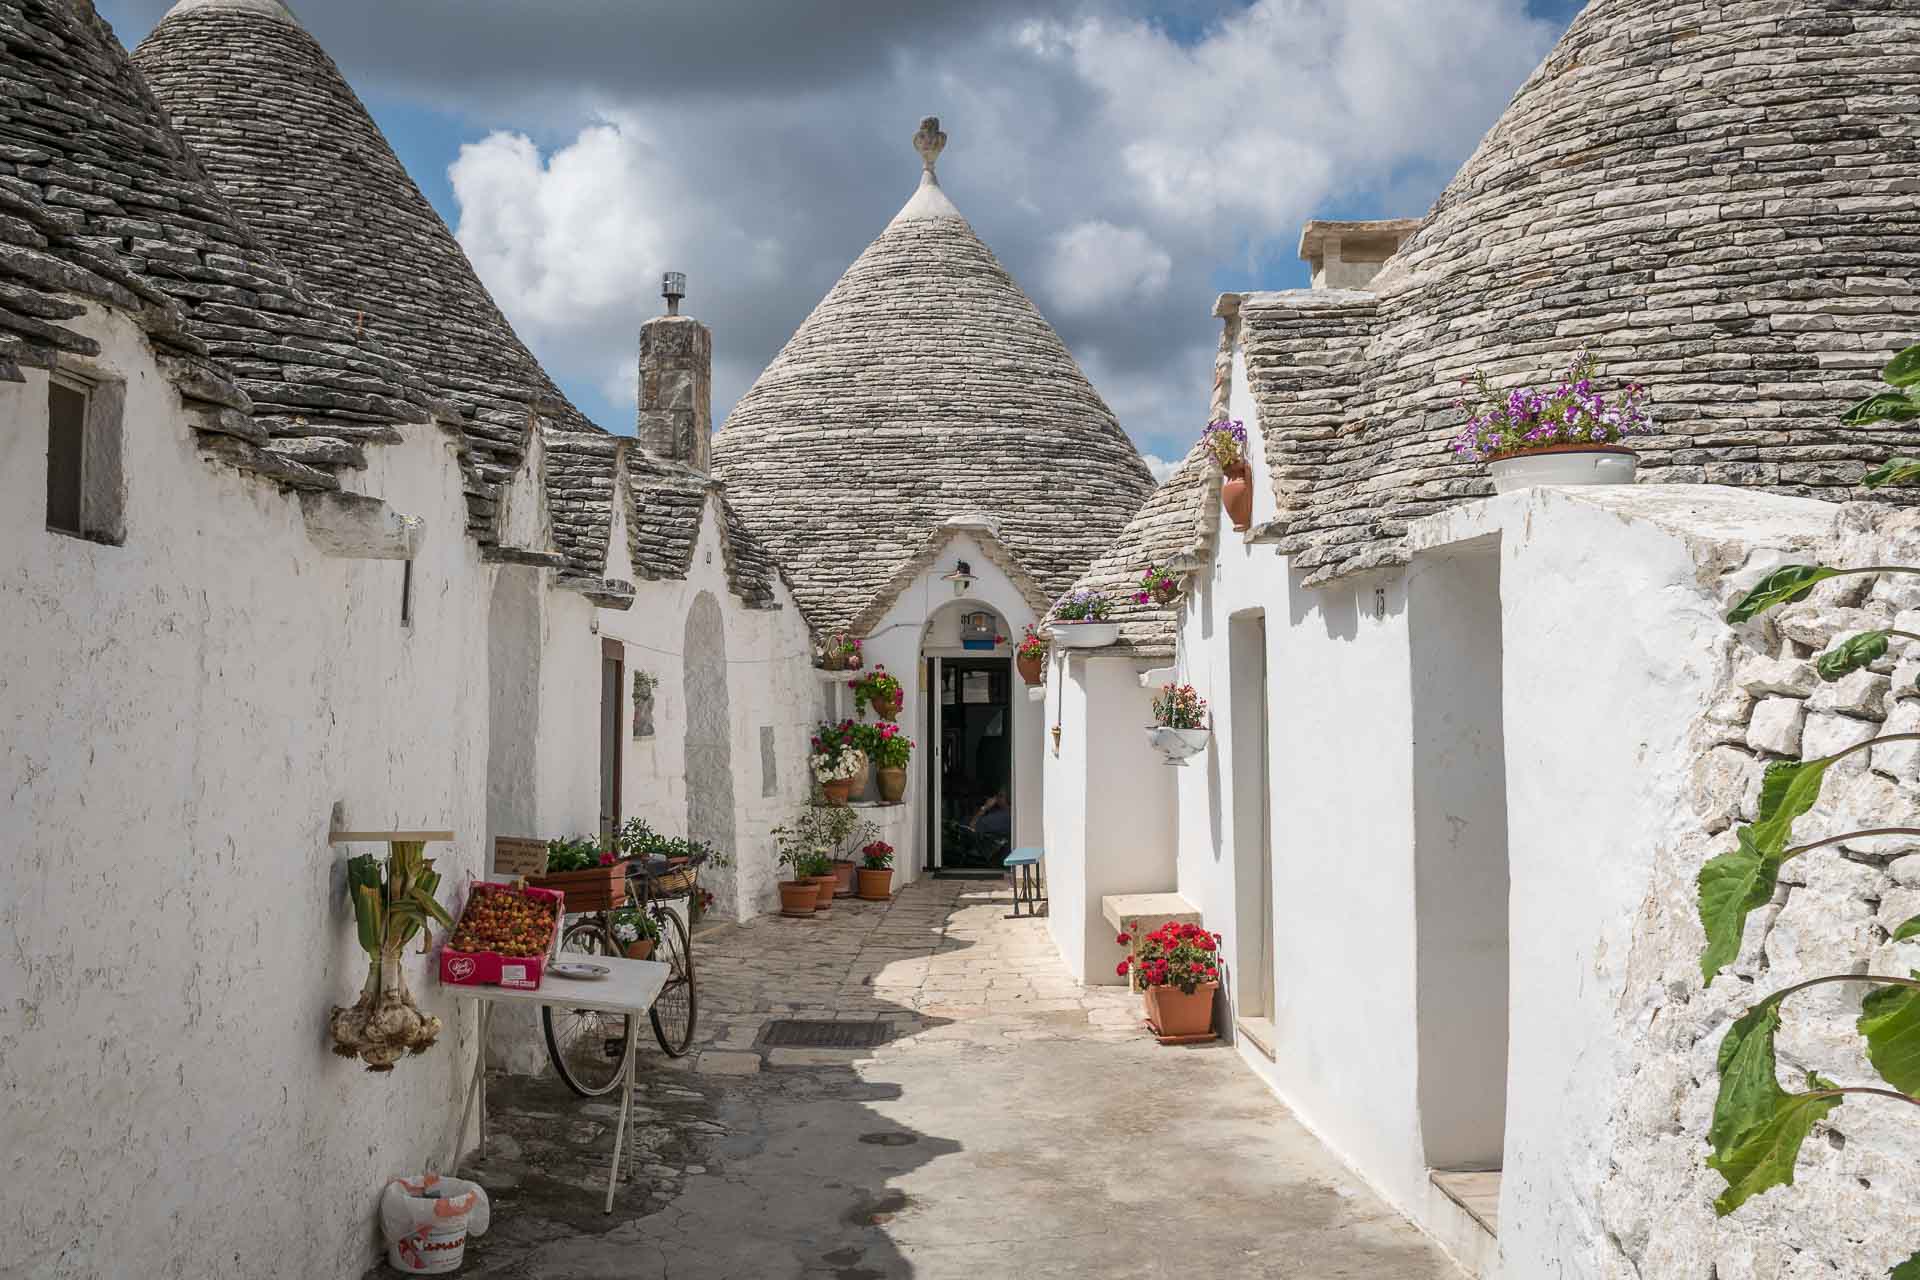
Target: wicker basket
(674,882)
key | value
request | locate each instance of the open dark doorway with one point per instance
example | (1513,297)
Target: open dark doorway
(971,766)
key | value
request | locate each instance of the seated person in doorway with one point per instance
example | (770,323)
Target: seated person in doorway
(994,821)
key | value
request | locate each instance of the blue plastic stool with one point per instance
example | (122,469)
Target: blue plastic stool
(1024,866)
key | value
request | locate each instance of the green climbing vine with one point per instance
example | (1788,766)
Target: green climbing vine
(1758,1126)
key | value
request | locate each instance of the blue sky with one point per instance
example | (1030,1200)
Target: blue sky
(580,146)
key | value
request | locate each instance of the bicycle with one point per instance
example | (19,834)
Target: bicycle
(588,1048)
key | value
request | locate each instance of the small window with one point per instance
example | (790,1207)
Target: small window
(84,491)
(66,457)
(406,593)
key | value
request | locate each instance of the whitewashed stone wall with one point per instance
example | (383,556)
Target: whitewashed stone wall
(1851,1211)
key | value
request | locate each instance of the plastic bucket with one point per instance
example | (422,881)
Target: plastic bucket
(426,1221)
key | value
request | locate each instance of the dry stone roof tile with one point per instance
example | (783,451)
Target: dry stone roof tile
(1722,200)
(1174,531)
(924,386)
(101,199)
(293,148)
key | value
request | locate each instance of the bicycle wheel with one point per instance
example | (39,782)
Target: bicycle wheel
(673,1013)
(588,1047)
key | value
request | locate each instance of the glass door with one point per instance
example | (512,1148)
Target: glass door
(971,817)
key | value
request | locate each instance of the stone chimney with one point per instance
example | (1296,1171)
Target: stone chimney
(1348,255)
(676,382)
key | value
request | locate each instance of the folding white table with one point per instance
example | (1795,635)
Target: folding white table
(631,988)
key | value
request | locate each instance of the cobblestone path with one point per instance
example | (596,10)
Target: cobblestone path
(1013,1121)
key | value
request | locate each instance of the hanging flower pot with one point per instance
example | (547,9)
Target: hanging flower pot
(1564,464)
(1179,730)
(1178,745)
(1236,495)
(1225,441)
(1030,657)
(880,691)
(1030,668)
(893,785)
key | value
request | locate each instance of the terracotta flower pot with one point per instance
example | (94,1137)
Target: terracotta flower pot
(823,887)
(889,710)
(876,886)
(1031,669)
(1236,495)
(893,785)
(857,784)
(843,878)
(1176,1013)
(837,792)
(640,950)
(798,897)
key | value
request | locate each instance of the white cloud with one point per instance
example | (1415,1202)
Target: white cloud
(1096,264)
(1161,467)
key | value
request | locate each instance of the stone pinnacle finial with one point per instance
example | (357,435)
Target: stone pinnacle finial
(929,142)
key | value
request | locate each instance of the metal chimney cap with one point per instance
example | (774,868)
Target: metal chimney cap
(673,287)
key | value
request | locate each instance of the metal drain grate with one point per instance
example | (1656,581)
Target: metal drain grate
(794,1033)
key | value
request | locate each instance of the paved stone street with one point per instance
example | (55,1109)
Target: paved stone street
(1014,1120)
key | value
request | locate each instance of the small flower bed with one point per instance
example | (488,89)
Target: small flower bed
(1174,955)
(878,689)
(1226,442)
(1033,646)
(1082,606)
(878,855)
(1179,706)
(1500,425)
(1157,586)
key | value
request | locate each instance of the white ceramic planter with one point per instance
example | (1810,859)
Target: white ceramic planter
(1600,465)
(1085,635)
(1178,745)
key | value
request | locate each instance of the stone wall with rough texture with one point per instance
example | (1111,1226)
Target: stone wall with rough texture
(1721,198)
(1851,1210)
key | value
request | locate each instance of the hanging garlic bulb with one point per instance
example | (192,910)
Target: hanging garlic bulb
(392,902)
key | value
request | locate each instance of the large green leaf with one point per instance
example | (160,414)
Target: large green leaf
(1908,1270)
(1852,654)
(423,896)
(1911,929)
(368,916)
(1731,886)
(1894,471)
(1887,406)
(1784,585)
(1890,1020)
(1750,1089)
(1787,790)
(1904,369)
(1763,1157)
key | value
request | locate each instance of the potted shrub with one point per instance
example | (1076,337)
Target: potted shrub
(634,931)
(1226,443)
(876,872)
(840,652)
(1080,621)
(798,896)
(1570,433)
(1157,587)
(836,761)
(816,868)
(1179,966)
(1179,727)
(880,691)
(1031,657)
(892,750)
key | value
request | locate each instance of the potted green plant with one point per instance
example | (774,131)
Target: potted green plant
(1569,433)
(880,691)
(798,897)
(1225,441)
(836,761)
(876,872)
(634,931)
(1080,621)
(1179,727)
(1030,656)
(592,878)
(892,750)
(816,868)
(1180,967)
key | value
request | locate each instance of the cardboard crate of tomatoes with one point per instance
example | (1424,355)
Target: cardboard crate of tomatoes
(504,938)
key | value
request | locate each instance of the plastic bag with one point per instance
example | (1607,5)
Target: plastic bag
(426,1220)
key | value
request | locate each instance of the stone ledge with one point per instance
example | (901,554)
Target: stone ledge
(1149,910)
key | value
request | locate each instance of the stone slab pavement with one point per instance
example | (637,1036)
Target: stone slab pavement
(1014,1121)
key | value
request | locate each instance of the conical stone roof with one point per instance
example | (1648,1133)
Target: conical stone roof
(924,386)
(293,149)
